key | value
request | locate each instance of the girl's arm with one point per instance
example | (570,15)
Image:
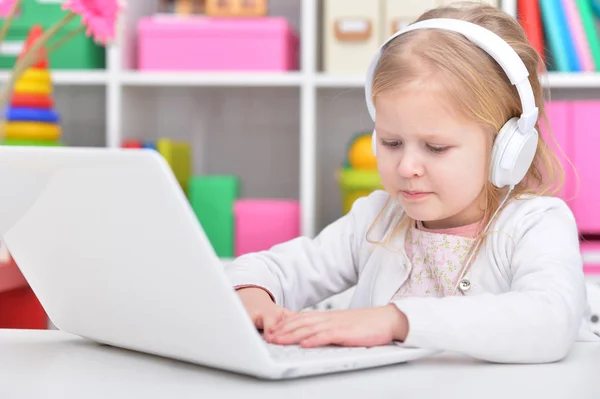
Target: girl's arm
(537,321)
(305,271)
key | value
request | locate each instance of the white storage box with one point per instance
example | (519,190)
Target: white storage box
(399,13)
(351,35)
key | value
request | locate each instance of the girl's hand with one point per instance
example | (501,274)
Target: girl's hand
(265,314)
(358,327)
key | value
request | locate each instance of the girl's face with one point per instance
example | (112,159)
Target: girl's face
(430,158)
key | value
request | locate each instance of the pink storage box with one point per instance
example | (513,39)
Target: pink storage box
(560,117)
(586,136)
(217,44)
(590,252)
(261,224)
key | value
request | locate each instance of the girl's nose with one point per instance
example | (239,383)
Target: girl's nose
(410,165)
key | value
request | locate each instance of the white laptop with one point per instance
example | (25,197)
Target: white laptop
(110,245)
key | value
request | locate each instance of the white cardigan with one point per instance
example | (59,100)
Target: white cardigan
(526,301)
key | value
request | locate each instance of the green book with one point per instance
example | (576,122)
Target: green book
(589,26)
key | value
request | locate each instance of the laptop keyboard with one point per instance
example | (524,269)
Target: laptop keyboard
(294,352)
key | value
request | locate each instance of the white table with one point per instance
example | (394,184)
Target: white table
(53,365)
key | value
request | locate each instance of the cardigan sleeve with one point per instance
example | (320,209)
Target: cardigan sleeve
(304,271)
(536,321)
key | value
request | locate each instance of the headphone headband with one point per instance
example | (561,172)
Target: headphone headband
(490,42)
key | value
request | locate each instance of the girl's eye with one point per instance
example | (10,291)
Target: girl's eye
(391,144)
(437,150)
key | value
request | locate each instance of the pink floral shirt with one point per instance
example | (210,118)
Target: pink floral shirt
(437,258)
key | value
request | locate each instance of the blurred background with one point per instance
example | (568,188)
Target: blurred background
(258,106)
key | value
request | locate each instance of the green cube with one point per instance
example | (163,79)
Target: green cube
(212,197)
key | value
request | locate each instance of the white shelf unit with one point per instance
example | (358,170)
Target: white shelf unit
(284,134)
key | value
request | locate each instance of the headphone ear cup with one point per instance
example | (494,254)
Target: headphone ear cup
(498,149)
(374,142)
(512,154)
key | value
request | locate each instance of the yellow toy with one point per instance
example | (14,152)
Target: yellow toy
(360,154)
(41,76)
(359,176)
(32,87)
(32,131)
(178,155)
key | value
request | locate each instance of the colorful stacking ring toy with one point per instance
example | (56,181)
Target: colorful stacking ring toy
(38,143)
(31,131)
(32,115)
(32,87)
(37,75)
(31,101)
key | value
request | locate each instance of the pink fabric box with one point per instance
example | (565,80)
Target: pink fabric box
(585,157)
(262,223)
(560,115)
(217,44)
(590,252)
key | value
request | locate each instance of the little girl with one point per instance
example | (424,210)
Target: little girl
(464,250)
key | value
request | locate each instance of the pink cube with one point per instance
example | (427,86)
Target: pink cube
(586,136)
(590,251)
(263,223)
(217,44)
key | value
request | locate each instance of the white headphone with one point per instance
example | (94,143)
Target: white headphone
(516,143)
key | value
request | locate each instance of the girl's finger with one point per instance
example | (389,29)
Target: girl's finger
(290,324)
(275,318)
(297,335)
(322,338)
(269,321)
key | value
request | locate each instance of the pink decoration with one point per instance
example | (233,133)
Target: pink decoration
(99,16)
(5,7)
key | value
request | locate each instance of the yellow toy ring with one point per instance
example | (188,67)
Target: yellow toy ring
(36,75)
(32,87)
(31,131)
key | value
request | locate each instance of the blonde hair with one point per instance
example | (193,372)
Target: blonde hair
(476,85)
